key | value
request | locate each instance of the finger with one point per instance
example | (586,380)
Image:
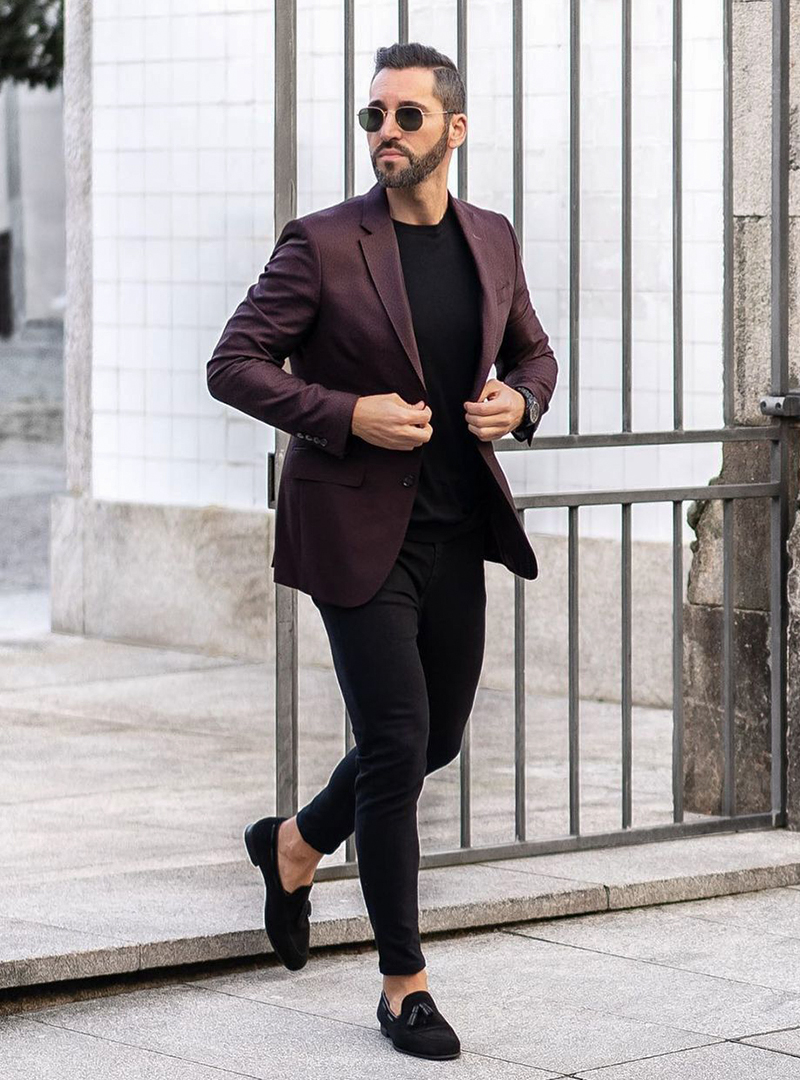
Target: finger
(485,408)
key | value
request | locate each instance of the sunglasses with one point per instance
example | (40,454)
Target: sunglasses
(408,117)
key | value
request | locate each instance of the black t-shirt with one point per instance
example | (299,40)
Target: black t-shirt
(444,293)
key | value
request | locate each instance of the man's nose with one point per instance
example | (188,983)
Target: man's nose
(390,128)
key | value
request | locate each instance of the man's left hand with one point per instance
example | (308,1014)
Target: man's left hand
(498,410)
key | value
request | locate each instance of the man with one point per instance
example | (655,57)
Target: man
(393,305)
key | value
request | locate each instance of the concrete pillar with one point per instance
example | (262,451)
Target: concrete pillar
(68,529)
(752,285)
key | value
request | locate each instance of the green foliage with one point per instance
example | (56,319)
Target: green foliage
(32,41)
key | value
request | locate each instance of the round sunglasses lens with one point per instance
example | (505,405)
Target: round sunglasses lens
(409,118)
(370,118)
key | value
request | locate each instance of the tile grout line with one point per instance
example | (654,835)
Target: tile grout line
(671,1053)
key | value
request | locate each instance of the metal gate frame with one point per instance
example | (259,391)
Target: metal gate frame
(781,405)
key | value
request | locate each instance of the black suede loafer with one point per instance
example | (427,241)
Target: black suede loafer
(286,914)
(420,1030)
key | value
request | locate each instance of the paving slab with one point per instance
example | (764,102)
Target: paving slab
(669,936)
(725,1061)
(129,772)
(681,869)
(770,911)
(651,992)
(517,1003)
(30,949)
(493,991)
(199,913)
(30,1050)
(523,1006)
(260,1040)
(784,1042)
(63,660)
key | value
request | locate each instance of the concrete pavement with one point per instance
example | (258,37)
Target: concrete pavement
(703,989)
(129,772)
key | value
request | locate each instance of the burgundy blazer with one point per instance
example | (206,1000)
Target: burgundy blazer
(332,298)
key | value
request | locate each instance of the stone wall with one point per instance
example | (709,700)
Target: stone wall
(746,462)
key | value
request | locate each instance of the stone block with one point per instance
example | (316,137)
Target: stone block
(742,463)
(703,713)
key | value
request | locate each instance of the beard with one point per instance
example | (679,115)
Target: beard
(418,168)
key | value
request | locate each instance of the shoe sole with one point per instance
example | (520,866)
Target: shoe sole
(249,843)
(427,1057)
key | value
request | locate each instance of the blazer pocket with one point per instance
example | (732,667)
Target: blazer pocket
(308,463)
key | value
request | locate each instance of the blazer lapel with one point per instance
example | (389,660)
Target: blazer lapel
(472,227)
(382,255)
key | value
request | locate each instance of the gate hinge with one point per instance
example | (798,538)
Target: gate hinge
(788,405)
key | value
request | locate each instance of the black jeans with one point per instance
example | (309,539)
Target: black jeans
(408,663)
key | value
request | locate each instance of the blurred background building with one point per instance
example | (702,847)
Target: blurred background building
(32,301)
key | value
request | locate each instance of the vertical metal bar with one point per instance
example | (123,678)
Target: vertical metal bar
(465,756)
(349,100)
(677,214)
(402,22)
(677,661)
(15,196)
(626,215)
(626,695)
(677,407)
(779,530)
(517,121)
(574,670)
(727,215)
(465,786)
(349,186)
(780,197)
(519,583)
(574,214)
(779,457)
(728,690)
(349,742)
(78,115)
(461,63)
(520,754)
(285,208)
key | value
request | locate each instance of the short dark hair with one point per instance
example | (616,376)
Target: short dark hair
(448,86)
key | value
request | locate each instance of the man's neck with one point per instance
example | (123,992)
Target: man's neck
(415,207)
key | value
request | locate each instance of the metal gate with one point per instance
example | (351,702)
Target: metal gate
(779,405)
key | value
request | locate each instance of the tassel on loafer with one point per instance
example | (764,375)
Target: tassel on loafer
(286,914)
(420,1030)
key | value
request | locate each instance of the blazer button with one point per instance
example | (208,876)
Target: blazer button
(323,442)
(408,480)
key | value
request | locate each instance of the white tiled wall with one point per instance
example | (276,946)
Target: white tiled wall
(183,224)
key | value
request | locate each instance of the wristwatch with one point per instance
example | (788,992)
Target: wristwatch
(532,413)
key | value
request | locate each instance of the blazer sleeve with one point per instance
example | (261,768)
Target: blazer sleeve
(277,314)
(525,357)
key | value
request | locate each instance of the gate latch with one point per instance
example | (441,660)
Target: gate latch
(789,405)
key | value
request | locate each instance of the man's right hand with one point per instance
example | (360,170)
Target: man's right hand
(387,420)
